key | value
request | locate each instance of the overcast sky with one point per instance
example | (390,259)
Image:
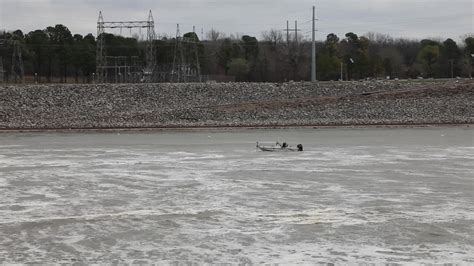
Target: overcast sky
(399,18)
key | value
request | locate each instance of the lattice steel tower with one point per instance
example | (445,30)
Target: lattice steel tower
(183,70)
(17,72)
(101,53)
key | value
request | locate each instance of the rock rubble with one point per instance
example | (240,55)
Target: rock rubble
(235,104)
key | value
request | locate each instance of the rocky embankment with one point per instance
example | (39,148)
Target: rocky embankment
(235,104)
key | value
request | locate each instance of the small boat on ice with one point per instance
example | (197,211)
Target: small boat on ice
(279,147)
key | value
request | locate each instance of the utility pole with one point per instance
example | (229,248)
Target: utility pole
(296,31)
(313,51)
(288,31)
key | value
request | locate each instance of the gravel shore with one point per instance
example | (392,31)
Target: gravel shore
(235,104)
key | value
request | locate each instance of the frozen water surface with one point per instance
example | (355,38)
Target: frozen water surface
(361,195)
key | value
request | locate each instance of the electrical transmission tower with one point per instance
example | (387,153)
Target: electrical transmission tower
(182,70)
(103,68)
(17,70)
(313,47)
(178,59)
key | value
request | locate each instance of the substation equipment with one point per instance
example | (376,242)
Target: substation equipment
(121,69)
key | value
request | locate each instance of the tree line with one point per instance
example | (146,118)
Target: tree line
(55,54)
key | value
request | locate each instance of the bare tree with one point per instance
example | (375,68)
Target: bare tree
(236,37)
(273,37)
(379,38)
(214,35)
